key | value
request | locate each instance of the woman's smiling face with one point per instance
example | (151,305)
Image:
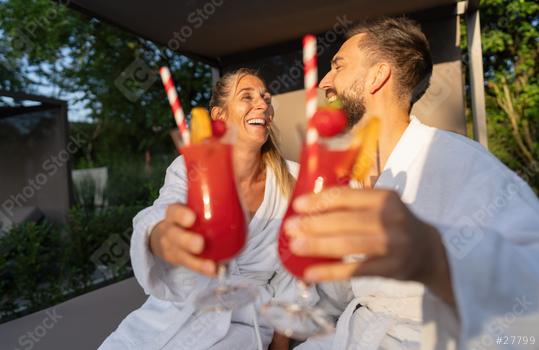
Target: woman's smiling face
(249,109)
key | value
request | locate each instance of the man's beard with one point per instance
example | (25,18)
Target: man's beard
(353,103)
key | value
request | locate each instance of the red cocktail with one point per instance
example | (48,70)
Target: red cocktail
(213,196)
(320,168)
(326,163)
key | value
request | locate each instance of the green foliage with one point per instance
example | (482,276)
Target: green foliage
(510,41)
(84,193)
(31,256)
(113,145)
(130,182)
(86,233)
(41,265)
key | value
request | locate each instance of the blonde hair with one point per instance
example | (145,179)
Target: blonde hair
(271,154)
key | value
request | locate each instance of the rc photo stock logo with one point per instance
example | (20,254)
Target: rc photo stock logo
(136,79)
(23,38)
(32,337)
(113,254)
(463,237)
(195,20)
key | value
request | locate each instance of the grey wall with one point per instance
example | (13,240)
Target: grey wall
(443,104)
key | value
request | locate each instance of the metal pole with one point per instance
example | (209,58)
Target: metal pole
(477,86)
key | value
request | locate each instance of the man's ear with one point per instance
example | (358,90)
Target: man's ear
(380,75)
(217,113)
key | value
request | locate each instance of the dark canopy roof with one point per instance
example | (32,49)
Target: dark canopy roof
(218,30)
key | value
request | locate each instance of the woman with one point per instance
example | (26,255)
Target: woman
(163,250)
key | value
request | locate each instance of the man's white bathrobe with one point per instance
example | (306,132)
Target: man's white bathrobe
(168,319)
(489,221)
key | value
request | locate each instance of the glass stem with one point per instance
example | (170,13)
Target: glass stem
(303,293)
(221,274)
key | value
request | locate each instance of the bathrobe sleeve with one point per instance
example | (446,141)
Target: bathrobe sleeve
(492,244)
(158,278)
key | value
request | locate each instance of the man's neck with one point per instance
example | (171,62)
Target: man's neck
(394,122)
(393,126)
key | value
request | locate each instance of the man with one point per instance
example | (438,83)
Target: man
(450,235)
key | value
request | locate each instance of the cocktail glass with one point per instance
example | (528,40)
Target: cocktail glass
(220,219)
(325,164)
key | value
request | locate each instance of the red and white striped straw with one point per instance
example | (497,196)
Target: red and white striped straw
(311,83)
(175,104)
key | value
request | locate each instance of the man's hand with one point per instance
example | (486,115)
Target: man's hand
(341,222)
(171,241)
(279,342)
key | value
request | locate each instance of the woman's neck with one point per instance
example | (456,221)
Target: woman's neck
(248,164)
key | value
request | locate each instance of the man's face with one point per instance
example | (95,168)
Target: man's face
(346,79)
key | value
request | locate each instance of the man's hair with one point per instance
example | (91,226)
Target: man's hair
(401,42)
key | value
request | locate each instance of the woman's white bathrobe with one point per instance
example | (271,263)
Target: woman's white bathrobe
(168,319)
(489,221)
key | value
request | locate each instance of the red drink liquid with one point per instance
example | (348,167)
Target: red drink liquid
(320,168)
(212,195)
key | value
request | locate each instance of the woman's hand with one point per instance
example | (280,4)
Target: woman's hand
(172,242)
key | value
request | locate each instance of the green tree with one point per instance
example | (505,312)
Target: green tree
(510,41)
(91,63)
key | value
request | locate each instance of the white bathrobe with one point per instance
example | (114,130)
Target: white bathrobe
(168,319)
(489,221)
